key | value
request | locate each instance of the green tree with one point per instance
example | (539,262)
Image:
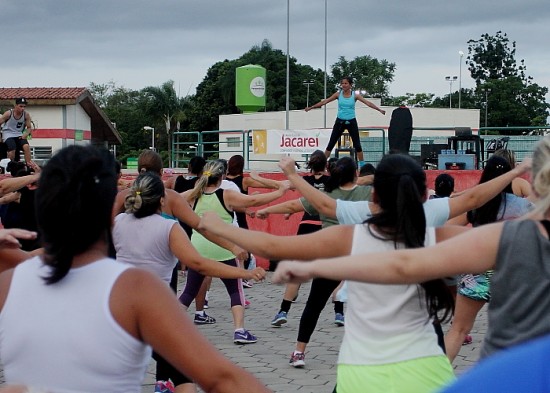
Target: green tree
(514,99)
(162,103)
(216,93)
(368,73)
(124,107)
(410,99)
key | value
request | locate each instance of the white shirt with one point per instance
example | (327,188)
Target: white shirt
(349,212)
(385,323)
(63,338)
(145,243)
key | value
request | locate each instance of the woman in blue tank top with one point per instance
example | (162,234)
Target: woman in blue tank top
(346,115)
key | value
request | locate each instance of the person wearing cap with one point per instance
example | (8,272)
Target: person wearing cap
(17,124)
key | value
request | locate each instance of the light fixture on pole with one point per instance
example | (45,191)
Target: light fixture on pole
(287,62)
(308,83)
(461,54)
(487,91)
(152,129)
(325,92)
(451,79)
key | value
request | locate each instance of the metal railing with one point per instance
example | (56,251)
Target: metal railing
(186,145)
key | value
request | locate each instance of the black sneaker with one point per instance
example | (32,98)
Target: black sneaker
(204,319)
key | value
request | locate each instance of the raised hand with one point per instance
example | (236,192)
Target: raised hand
(288,165)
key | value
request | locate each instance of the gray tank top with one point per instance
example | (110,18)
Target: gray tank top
(13,128)
(520,302)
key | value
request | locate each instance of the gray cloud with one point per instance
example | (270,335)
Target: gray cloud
(140,43)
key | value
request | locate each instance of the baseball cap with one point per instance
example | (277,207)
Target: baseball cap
(21,100)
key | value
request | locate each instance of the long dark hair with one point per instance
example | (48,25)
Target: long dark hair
(488,213)
(344,171)
(400,186)
(317,161)
(74,201)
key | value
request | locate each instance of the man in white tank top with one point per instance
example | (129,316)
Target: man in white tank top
(16,127)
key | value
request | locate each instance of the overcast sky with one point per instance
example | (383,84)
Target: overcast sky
(135,43)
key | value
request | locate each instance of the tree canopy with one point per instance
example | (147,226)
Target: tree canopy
(501,82)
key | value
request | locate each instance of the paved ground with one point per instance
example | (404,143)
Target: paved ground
(268,359)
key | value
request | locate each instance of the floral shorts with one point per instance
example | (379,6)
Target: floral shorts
(476,286)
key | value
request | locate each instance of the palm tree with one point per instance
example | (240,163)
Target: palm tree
(163,103)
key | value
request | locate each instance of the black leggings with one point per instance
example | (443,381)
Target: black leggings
(338,129)
(320,292)
(165,370)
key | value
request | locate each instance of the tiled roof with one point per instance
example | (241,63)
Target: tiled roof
(37,93)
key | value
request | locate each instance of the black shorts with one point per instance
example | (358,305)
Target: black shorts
(15,143)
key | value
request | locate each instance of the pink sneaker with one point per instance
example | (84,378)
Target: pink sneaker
(164,387)
(246,303)
(297,360)
(467,340)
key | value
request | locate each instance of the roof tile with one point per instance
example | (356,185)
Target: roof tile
(11,93)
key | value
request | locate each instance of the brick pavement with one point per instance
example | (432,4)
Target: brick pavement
(268,358)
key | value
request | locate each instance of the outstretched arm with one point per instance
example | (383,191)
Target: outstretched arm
(10,253)
(478,250)
(359,97)
(288,207)
(238,201)
(479,195)
(323,102)
(183,249)
(333,241)
(182,211)
(148,310)
(257,181)
(15,183)
(323,203)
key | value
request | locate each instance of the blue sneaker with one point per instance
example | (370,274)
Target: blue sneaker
(204,319)
(339,319)
(280,319)
(244,337)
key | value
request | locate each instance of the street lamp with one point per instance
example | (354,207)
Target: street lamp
(460,53)
(308,83)
(487,91)
(152,129)
(325,95)
(451,79)
(287,63)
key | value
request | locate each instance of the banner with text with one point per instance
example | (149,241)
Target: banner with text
(290,141)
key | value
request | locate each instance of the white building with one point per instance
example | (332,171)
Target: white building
(62,116)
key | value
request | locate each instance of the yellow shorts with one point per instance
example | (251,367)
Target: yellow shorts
(422,375)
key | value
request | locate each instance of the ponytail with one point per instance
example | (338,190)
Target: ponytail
(212,173)
(400,184)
